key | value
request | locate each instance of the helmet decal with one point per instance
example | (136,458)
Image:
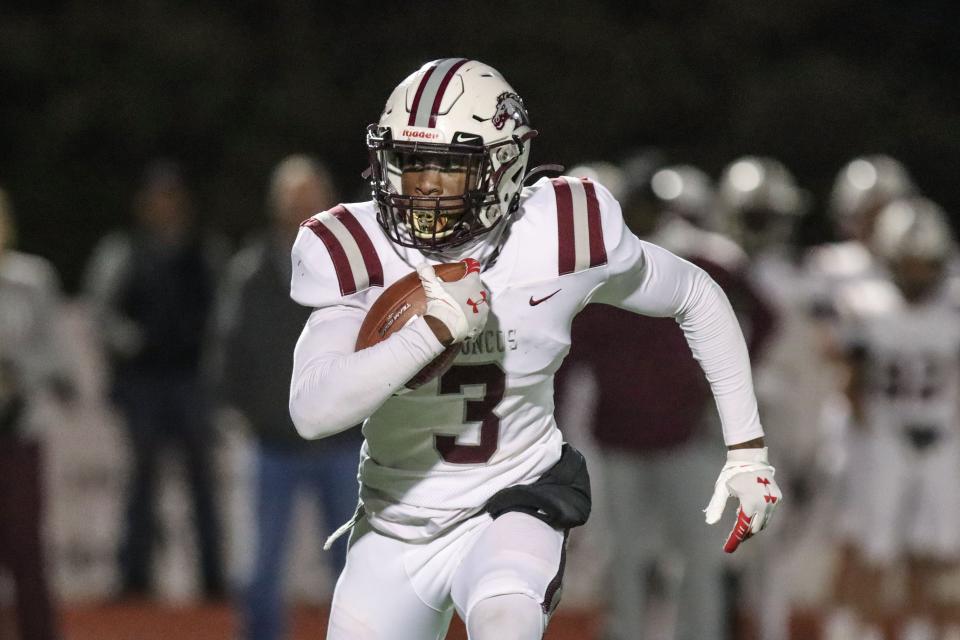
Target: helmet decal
(510,105)
(429,95)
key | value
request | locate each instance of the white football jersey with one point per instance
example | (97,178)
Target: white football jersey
(793,377)
(911,357)
(435,455)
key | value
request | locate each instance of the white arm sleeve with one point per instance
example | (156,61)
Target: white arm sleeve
(334,387)
(647,279)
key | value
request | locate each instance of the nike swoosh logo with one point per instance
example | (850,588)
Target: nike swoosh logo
(534,303)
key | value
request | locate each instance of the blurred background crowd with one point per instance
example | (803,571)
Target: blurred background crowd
(158,157)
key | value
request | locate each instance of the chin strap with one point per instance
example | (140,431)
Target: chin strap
(544,169)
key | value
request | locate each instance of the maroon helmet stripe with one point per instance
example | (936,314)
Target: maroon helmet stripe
(598,254)
(567,249)
(416,98)
(370,259)
(438,100)
(340,261)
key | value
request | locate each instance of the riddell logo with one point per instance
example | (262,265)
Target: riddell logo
(420,133)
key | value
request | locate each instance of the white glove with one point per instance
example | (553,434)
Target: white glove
(749,477)
(462,305)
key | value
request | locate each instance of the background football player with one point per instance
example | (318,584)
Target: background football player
(467,489)
(761,205)
(652,419)
(903,390)
(847,281)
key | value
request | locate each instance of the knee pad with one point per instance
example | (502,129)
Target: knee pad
(513,616)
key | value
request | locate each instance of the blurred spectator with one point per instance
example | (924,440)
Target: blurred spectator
(152,288)
(650,417)
(30,363)
(259,326)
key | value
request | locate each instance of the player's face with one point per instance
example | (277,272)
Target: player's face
(429,175)
(916,277)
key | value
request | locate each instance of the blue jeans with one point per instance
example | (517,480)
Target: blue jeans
(330,476)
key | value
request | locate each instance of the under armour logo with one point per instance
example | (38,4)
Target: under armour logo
(476,305)
(770,499)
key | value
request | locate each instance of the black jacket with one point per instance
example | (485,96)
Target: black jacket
(260,325)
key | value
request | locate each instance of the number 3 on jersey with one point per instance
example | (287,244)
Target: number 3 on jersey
(493,379)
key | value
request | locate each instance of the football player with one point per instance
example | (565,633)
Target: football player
(847,281)
(905,377)
(467,489)
(863,187)
(760,205)
(652,419)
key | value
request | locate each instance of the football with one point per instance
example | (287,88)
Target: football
(400,303)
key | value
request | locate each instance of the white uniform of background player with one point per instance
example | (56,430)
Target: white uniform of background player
(912,357)
(906,400)
(434,456)
(848,282)
(760,205)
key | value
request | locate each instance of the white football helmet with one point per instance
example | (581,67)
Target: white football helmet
(863,187)
(687,192)
(913,238)
(912,227)
(458,114)
(760,201)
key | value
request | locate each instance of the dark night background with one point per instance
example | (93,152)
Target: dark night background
(90,91)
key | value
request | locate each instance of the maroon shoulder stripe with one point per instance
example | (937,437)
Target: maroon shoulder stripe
(598,253)
(337,253)
(567,249)
(416,98)
(367,251)
(438,100)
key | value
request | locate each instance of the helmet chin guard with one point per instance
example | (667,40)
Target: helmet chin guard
(455,116)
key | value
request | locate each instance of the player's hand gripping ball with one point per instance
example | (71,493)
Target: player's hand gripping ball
(406,299)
